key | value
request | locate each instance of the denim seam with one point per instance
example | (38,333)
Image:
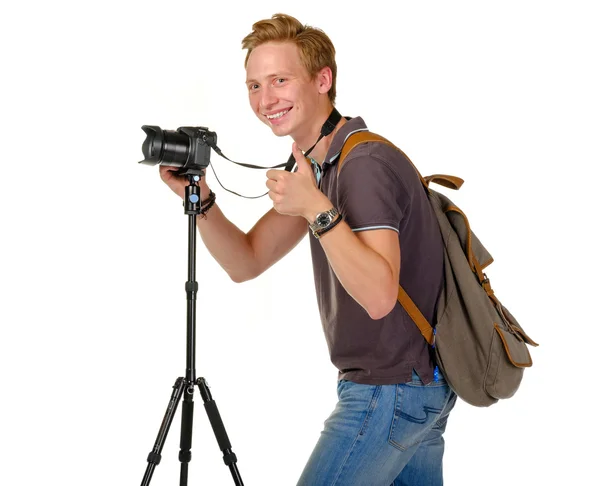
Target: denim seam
(441,422)
(361,431)
(397,418)
(433,384)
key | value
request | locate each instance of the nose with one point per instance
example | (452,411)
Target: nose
(267,98)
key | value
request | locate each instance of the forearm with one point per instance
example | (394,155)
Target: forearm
(227,244)
(365,274)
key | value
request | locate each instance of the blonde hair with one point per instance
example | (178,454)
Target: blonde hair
(316,49)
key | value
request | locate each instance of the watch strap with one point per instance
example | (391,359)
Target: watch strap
(320,233)
(314,226)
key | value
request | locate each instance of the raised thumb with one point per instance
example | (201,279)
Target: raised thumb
(301,160)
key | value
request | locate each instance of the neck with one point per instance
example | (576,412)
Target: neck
(306,141)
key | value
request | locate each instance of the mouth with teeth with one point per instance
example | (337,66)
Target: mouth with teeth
(276,117)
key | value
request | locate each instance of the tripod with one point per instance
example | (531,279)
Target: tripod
(185,386)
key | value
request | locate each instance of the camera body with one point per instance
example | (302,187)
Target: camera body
(187,148)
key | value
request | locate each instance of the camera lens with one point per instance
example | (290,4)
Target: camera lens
(165,147)
(176,148)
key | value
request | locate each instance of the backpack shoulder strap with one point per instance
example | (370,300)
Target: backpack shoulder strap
(409,306)
(356,139)
(452,182)
(415,314)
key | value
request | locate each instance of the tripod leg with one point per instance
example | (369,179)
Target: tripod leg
(185,443)
(154,456)
(216,422)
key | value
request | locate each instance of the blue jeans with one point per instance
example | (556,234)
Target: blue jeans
(382,435)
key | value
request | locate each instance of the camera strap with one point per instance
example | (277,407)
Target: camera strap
(327,128)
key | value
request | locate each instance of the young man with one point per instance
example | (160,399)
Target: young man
(370,227)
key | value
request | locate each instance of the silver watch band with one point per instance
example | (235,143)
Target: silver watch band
(323,220)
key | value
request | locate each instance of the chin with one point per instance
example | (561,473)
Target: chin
(280,131)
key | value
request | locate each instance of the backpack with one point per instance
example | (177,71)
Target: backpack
(479,346)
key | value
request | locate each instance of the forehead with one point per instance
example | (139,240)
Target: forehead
(274,58)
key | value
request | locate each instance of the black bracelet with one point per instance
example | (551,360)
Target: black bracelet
(319,234)
(211,197)
(207,204)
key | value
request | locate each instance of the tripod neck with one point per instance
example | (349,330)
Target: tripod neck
(192,196)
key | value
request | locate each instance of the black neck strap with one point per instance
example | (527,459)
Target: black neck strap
(328,127)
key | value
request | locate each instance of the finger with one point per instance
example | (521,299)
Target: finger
(301,160)
(167,168)
(274,174)
(168,172)
(271,185)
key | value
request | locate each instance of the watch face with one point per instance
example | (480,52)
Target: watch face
(323,219)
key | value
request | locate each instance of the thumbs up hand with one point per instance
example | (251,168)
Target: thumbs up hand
(295,193)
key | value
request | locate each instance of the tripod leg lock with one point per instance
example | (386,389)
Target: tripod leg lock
(154,458)
(229,458)
(185,456)
(191,286)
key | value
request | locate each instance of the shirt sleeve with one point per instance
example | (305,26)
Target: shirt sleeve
(371,194)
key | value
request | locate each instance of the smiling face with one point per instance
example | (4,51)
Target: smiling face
(282,93)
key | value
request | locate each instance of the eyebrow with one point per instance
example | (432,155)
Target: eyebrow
(269,76)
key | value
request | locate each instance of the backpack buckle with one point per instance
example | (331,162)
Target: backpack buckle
(485,283)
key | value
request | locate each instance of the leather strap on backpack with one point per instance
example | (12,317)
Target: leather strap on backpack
(415,314)
(451,182)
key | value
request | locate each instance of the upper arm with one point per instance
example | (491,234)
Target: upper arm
(374,201)
(274,236)
(371,192)
(384,242)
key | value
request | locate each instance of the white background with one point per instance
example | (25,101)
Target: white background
(94,245)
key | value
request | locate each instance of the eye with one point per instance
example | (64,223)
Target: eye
(280,81)
(253,87)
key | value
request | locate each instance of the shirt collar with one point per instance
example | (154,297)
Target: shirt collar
(353,125)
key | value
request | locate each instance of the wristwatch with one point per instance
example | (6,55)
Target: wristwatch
(323,220)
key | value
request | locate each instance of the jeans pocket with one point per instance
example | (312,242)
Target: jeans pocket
(416,411)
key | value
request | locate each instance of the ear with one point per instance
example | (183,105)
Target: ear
(324,79)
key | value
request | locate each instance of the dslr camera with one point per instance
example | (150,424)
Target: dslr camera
(187,148)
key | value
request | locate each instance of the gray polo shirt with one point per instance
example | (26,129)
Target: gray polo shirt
(378,188)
